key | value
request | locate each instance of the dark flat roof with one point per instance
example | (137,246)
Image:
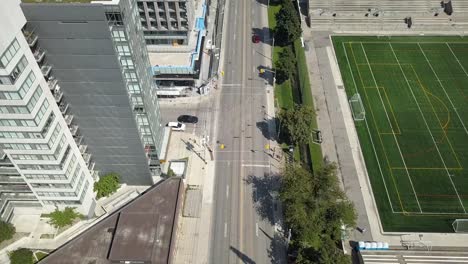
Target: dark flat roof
(140,231)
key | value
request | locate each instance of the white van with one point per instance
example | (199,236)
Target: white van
(176,126)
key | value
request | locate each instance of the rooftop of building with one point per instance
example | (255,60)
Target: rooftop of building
(140,231)
(181,59)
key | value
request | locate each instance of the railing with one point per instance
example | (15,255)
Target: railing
(39,54)
(74,129)
(52,83)
(82,148)
(68,119)
(58,95)
(46,68)
(63,108)
(31,38)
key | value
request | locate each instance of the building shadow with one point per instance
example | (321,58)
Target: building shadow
(265,194)
(244,258)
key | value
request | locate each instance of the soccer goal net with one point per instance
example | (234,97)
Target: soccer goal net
(357,108)
(460,225)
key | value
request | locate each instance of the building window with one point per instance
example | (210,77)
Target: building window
(118,35)
(15,73)
(9,53)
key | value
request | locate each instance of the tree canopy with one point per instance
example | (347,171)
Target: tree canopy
(315,210)
(7,231)
(107,185)
(298,123)
(63,218)
(286,65)
(21,256)
(288,24)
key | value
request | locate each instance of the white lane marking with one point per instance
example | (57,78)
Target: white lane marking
(256,229)
(256,165)
(234,36)
(227,191)
(225,229)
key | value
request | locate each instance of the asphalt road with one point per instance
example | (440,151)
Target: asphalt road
(203,110)
(243,221)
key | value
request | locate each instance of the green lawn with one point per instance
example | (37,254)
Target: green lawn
(307,99)
(286,95)
(414,136)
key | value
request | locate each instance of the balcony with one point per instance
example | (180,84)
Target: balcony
(78,140)
(87,158)
(39,54)
(74,130)
(52,83)
(58,95)
(91,166)
(95,175)
(69,119)
(63,108)
(46,68)
(31,38)
(83,148)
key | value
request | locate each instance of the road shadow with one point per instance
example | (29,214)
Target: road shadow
(263,33)
(265,191)
(277,250)
(266,73)
(264,126)
(244,258)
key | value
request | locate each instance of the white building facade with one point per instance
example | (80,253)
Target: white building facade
(35,134)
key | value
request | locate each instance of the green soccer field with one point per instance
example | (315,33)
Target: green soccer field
(414,137)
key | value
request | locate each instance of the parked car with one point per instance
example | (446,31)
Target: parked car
(176,126)
(188,119)
(255,38)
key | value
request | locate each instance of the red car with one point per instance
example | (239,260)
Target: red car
(255,39)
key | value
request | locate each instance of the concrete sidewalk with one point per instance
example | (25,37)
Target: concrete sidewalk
(193,232)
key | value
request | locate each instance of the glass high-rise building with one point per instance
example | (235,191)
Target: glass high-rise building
(76,99)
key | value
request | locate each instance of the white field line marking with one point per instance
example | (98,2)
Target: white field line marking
(256,229)
(443,88)
(225,229)
(255,165)
(369,133)
(391,126)
(430,213)
(456,58)
(227,191)
(427,127)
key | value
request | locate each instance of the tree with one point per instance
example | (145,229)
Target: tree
(107,185)
(21,256)
(315,208)
(288,24)
(298,123)
(63,218)
(286,65)
(7,231)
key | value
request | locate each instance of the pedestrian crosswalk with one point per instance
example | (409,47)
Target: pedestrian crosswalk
(413,257)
